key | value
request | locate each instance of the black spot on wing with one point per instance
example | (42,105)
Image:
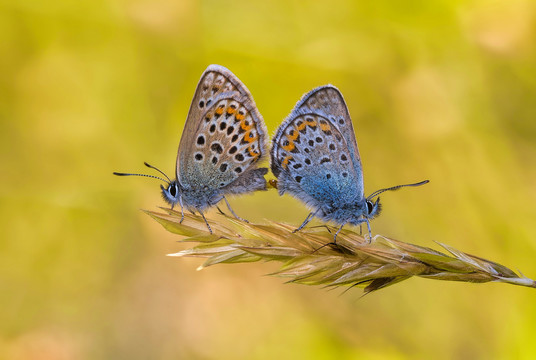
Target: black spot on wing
(239,157)
(216,147)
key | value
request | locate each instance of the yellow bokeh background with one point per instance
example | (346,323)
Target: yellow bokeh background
(439,90)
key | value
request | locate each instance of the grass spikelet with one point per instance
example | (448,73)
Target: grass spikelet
(306,259)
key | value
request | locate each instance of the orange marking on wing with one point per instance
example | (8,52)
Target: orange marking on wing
(302,126)
(230,110)
(244,126)
(249,138)
(252,152)
(296,135)
(219,111)
(325,127)
(290,146)
(284,164)
(311,123)
(240,117)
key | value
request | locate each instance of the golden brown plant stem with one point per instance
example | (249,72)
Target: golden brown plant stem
(307,260)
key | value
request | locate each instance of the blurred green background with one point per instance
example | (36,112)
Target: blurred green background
(439,90)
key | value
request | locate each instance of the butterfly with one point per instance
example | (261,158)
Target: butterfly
(223,141)
(315,158)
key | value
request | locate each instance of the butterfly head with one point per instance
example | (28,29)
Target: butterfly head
(171,193)
(373,208)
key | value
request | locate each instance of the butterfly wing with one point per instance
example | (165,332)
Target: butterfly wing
(312,161)
(224,136)
(328,102)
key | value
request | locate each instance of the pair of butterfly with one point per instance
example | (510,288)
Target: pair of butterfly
(314,153)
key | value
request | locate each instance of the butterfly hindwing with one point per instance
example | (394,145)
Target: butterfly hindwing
(312,161)
(328,102)
(224,136)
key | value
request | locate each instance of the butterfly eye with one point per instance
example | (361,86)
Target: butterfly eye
(370,206)
(173,190)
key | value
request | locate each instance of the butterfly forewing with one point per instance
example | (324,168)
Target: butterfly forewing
(224,135)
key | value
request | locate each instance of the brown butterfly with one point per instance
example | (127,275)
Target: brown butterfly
(222,143)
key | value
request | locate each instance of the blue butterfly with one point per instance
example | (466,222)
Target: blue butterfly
(223,141)
(315,159)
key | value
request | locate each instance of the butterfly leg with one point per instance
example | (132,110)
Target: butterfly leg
(182,209)
(365,220)
(369,232)
(322,226)
(206,222)
(337,233)
(232,212)
(221,212)
(334,242)
(307,220)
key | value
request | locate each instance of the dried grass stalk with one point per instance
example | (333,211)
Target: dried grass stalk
(306,259)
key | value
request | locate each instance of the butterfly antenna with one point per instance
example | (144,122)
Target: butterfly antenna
(151,176)
(157,169)
(378,192)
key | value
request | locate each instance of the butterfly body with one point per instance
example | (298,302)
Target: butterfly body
(315,159)
(199,197)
